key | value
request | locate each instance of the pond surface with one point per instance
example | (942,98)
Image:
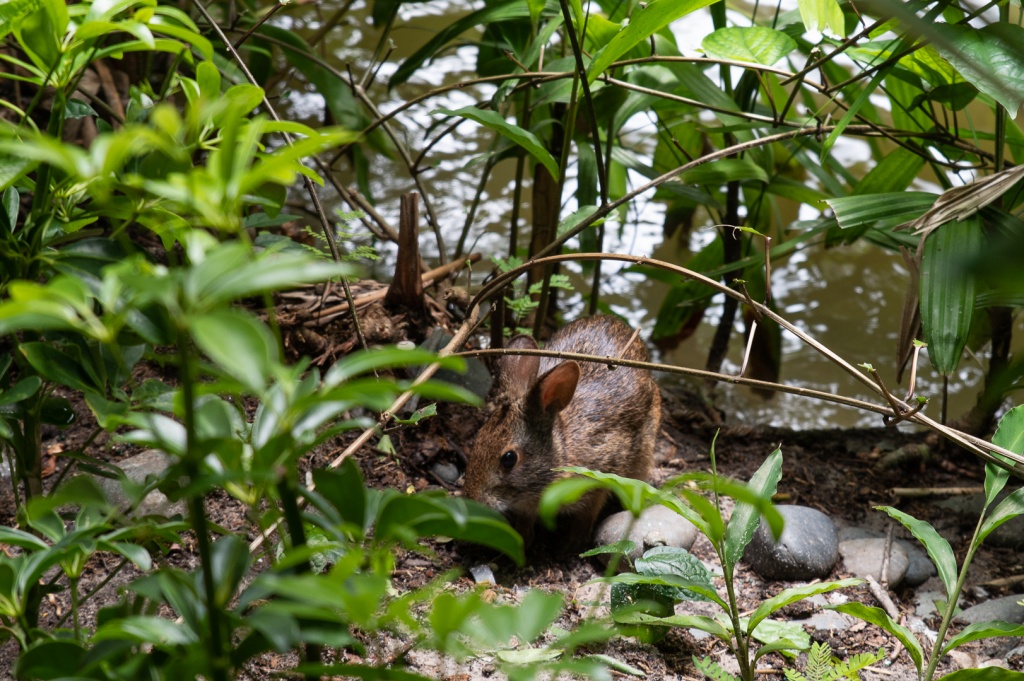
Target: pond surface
(849,298)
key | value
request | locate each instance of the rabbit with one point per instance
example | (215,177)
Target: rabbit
(549,413)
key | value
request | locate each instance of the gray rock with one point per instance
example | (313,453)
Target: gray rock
(476,379)
(807,548)
(137,469)
(829,620)
(925,602)
(1003,609)
(656,526)
(482,574)
(1008,535)
(920,569)
(446,471)
(863,558)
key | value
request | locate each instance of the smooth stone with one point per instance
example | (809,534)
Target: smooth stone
(863,558)
(925,603)
(1003,609)
(807,549)
(920,569)
(1008,535)
(828,620)
(482,574)
(151,462)
(446,471)
(656,526)
(476,379)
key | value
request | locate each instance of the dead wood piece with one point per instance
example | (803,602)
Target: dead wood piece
(433,276)
(406,290)
(912,492)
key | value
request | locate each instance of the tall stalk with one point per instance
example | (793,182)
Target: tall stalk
(197,512)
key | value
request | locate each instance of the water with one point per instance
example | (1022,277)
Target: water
(849,298)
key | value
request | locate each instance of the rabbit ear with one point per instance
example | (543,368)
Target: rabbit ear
(517,373)
(557,386)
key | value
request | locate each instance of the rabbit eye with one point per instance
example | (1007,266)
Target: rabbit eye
(508,460)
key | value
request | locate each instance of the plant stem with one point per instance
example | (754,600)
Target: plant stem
(197,512)
(947,617)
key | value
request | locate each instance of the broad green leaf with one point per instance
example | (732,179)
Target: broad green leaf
(823,17)
(980,630)
(947,290)
(723,171)
(787,596)
(757,44)
(862,98)
(701,622)
(892,174)
(989,58)
(143,629)
(1008,509)
(50,659)
(1009,435)
(937,547)
(888,210)
(781,635)
(671,560)
(21,390)
(345,490)
(695,586)
(983,674)
(239,343)
(644,22)
(524,138)
(58,366)
(879,618)
(745,517)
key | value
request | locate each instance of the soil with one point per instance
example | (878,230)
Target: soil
(845,473)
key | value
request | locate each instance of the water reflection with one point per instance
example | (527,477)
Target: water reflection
(848,298)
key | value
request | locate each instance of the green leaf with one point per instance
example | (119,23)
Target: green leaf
(888,209)
(1010,507)
(745,517)
(671,560)
(1009,435)
(22,390)
(50,659)
(723,171)
(787,596)
(989,58)
(58,366)
(239,344)
(345,490)
(620,547)
(983,674)
(879,618)
(403,517)
(644,22)
(980,630)
(823,16)
(693,585)
(757,44)
(947,290)
(142,629)
(701,622)
(937,547)
(524,138)
(782,635)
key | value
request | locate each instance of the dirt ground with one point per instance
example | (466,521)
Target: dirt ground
(843,473)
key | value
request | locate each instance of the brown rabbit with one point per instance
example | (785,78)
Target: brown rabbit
(550,413)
